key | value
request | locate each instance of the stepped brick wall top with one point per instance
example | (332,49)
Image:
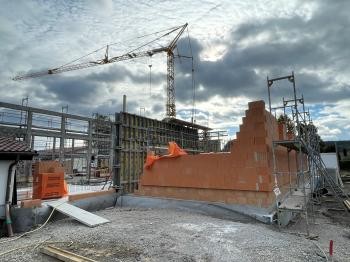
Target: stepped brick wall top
(240,176)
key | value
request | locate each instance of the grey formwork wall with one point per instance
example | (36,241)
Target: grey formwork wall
(134,134)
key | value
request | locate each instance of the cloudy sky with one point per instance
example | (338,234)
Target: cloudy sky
(235,45)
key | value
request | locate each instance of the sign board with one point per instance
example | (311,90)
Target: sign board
(277,191)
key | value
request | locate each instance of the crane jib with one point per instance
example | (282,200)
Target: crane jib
(170,104)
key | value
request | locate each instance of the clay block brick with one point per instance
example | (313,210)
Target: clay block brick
(246,139)
(256,104)
(256,116)
(268,201)
(47,167)
(243,176)
(242,200)
(213,195)
(30,203)
(265,187)
(259,140)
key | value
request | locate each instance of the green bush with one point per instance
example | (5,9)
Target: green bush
(344,165)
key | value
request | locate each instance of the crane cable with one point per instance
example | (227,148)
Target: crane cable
(150,76)
(156,39)
(142,36)
(71,62)
(193,81)
(169,31)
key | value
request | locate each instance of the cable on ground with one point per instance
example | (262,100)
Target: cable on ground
(32,231)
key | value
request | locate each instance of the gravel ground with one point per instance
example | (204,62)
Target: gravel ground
(168,235)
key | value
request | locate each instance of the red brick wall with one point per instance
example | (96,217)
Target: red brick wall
(242,176)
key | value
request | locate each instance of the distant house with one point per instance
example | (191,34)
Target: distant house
(332,165)
(342,148)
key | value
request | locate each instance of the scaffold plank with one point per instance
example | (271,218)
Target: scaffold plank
(77,213)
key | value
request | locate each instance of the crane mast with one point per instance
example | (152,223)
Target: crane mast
(170,102)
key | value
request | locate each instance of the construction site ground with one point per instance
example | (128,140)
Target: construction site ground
(170,235)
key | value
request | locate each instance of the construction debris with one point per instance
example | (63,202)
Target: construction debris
(64,255)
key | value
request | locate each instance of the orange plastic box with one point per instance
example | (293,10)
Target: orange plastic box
(48,185)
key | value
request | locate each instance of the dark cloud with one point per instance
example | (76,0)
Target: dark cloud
(78,90)
(117,73)
(305,45)
(313,44)
(158,108)
(109,107)
(70,89)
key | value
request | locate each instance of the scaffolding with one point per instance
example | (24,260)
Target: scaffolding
(101,146)
(299,135)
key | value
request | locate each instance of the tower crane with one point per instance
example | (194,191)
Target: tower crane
(169,49)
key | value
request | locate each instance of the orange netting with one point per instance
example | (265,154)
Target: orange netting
(173,151)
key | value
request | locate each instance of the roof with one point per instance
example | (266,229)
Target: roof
(11,149)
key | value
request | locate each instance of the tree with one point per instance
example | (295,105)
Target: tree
(284,119)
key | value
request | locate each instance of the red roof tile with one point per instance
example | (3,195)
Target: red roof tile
(9,145)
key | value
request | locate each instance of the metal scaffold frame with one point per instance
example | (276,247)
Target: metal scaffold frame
(300,183)
(311,174)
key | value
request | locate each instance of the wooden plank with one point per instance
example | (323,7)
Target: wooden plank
(78,214)
(64,255)
(347,204)
(75,197)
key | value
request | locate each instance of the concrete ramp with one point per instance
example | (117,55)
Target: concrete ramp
(77,213)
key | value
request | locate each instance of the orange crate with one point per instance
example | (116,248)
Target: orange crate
(47,167)
(48,185)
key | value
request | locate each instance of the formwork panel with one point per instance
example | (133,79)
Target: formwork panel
(136,134)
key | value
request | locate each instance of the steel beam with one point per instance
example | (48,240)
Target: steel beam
(42,111)
(89,151)
(62,138)
(29,128)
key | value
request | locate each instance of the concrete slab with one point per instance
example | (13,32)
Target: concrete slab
(24,219)
(295,201)
(241,213)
